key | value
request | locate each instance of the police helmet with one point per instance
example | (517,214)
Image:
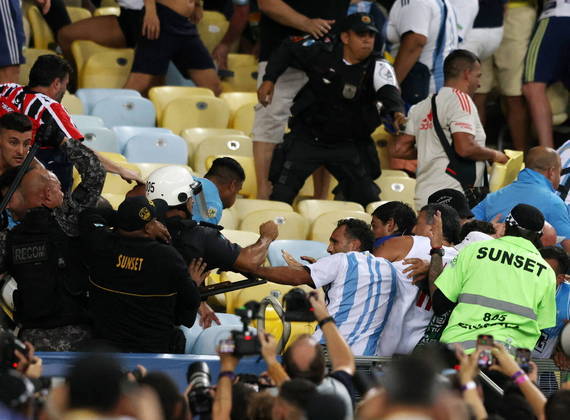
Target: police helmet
(173,184)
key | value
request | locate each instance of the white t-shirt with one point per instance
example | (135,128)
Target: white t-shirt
(423,17)
(555,8)
(412,310)
(361,289)
(457,114)
(465,13)
(131,4)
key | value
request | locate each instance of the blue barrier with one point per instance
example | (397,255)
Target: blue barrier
(175,365)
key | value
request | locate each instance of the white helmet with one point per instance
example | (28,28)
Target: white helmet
(173,184)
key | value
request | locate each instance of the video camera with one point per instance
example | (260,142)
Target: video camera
(8,345)
(297,306)
(243,342)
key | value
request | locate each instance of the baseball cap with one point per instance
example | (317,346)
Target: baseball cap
(135,212)
(452,198)
(358,22)
(526,217)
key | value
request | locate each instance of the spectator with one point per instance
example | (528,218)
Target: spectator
(134,277)
(456,200)
(348,268)
(557,406)
(536,185)
(171,401)
(458,160)
(465,15)
(260,406)
(410,257)
(279,20)
(178,41)
(502,287)
(546,62)
(475,231)
(15,140)
(331,126)
(17,394)
(220,186)
(390,220)
(423,33)
(293,399)
(487,33)
(505,68)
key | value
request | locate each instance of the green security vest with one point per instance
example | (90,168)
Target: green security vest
(503,287)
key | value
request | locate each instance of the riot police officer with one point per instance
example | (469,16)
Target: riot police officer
(335,112)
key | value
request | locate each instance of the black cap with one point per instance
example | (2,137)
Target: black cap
(527,217)
(358,22)
(135,212)
(452,198)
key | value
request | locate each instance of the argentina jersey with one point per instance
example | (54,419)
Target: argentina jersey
(361,290)
(549,337)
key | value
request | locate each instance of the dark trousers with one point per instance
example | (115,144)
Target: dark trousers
(301,156)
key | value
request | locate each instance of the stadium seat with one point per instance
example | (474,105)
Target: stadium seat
(504,174)
(212,28)
(297,248)
(106,11)
(125,132)
(397,189)
(241,297)
(241,60)
(291,225)
(42,35)
(175,78)
(227,144)
(114,184)
(236,99)
(194,136)
(125,110)
(72,104)
(90,97)
(101,139)
(163,95)
(557,95)
(114,157)
(146,168)
(245,206)
(373,206)
(395,173)
(324,224)
(31,55)
(192,334)
(243,79)
(249,187)
(107,69)
(243,118)
(83,122)
(197,111)
(157,148)
(229,219)
(382,140)
(208,340)
(242,238)
(114,199)
(82,50)
(312,209)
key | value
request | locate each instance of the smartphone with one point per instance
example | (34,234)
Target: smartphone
(522,357)
(485,344)
(227,346)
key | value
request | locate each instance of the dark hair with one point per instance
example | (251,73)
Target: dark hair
(558,405)
(558,254)
(410,381)
(360,230)
(298,392)
(260,406)
(316,371)
(167,392)
(241,397)
(451,224)
(457,62)
(226,169)
(95,383)
(47,68)
(15,121)
(476,226)
(402,214)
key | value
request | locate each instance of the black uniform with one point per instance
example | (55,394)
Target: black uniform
(332,118)
(140,289)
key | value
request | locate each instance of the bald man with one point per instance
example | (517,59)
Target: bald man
(536,185)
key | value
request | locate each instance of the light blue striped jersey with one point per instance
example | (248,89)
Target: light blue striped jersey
(361,290)
(549,337)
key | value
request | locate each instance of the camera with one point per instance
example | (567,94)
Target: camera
(297,306)
(522,357)
(8,344)
(485,343)
(243,342)
(199,397)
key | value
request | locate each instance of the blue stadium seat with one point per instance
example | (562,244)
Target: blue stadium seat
(157,148)
(296,248)
(90,96)
(101,139)
(175,78)
(125,132)
(83,122)
(209,338)
(192,334)
(125,110)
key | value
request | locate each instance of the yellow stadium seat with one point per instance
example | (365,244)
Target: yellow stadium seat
(147,168)
(109,3)
(312,209)
(229,219)
(78,13)
(31,55)
(503,175)
(291,225)
(241,60)
(397,189)
(237,99)
(194,136)
(242,238)
(212,28)
(197,111)
(240,297)
(72,104)
(382,140)
(373,206)
(395,173)
(115,157)
(163,95)
(274,326)
(82,50)
(249,187)
(557,95)
(232,144)
(109,69)
(42,35)
(106,11)
(114,199)
(243,118)
(244,79)
(324,225)
(114,184)
(245,206)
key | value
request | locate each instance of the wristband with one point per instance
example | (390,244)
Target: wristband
(227,373)
(468,386)
(521,379)
(324,321)
(517,374)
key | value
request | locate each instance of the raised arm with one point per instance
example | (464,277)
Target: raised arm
(251,257)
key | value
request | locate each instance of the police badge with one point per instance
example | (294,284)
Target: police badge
(349,91)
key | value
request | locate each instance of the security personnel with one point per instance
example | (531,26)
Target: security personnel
(335,112)
(140,288)
(502,287)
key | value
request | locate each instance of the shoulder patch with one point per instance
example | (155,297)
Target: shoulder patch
(212,213)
